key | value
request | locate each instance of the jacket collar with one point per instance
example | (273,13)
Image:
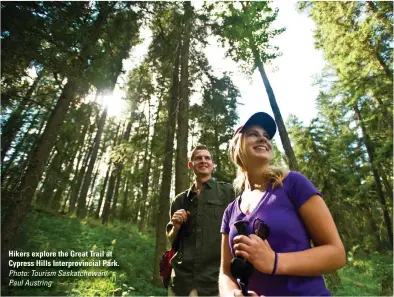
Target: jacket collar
(209,183)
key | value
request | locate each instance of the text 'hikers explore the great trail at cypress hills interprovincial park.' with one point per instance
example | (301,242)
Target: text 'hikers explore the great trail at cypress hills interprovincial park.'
(196,148)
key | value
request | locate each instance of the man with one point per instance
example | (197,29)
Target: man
(196,214)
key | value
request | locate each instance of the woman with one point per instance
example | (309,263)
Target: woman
(288,203)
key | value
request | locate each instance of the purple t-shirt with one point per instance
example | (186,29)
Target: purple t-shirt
(279,210)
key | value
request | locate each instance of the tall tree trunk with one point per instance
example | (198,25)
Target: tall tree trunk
(134,207)
(388,187)
(24,161)
(216,148)
(128,177)
(97,212)
(91,195)
(108,198)
(81,211)
(111,185)
(23,196)
(284,136)
(79,175)
(135,200)
(119,167)
(55,203)
(181,170)
(5,169)
(16,120)
(145,182)
(50,181)
(116,192)
(379,190)
(57,173)
(155,194)
(126,136)
(125,199)
(164,200)
(64,204)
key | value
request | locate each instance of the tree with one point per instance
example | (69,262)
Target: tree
(84,61)
(81,211)
(246,28)
(216,118)
(181,180)
(357,44)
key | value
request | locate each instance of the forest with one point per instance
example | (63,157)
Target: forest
(73,177)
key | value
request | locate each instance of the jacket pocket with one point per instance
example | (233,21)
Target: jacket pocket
(216,208)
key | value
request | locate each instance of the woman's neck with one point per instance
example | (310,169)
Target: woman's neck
(256,179)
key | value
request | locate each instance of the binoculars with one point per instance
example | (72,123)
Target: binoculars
(240,268)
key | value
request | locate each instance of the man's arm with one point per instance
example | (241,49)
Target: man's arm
(172,234)
(177,218)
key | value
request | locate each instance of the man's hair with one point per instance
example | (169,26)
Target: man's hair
(198,147)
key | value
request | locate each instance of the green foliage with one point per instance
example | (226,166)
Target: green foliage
(366,275)
(216,118)
(87,42)
(357,43)
(362,276)
(246,28)
(134,252)
(352,137)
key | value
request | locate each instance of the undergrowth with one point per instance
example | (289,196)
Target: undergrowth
(364,275)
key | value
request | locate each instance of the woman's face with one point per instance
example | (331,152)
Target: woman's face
(258,147)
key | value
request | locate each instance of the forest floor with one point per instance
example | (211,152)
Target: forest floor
(133,252)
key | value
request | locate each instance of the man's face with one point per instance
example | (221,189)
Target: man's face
(201,163)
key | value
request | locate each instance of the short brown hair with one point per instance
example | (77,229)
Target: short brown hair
(198,147)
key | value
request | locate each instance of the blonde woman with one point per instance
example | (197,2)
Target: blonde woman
(288,203)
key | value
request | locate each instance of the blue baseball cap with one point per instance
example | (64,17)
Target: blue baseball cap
(261,119)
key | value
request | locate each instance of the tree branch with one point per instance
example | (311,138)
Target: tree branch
(59,83)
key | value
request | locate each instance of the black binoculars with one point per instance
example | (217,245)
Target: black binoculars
(240,268)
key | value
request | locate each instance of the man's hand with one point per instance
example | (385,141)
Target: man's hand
(178,218)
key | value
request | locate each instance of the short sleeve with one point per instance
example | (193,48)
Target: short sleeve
(225,228)
(301,189)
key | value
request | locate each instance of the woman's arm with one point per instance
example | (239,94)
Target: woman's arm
(327,255)
(227,284)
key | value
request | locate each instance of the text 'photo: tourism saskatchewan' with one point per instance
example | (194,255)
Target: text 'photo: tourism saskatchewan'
(196,148)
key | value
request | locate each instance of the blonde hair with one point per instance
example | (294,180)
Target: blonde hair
(275,175)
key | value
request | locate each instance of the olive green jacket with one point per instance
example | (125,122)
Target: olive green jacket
(196,264)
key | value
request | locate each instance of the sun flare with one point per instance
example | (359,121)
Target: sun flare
(114,102)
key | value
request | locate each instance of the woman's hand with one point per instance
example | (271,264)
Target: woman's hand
(238,293)
(256,250)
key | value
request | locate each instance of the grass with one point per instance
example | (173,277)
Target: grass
(134,251)
(365,275)
(131,249)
